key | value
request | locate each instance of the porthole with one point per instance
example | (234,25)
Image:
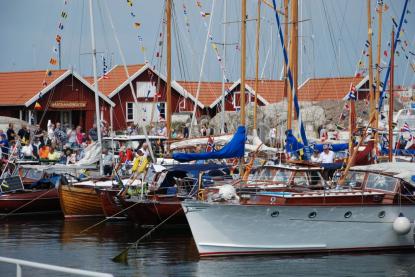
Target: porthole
(348,214)
(275,213)
(381,214)
(312,215)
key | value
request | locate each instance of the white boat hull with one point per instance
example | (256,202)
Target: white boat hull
(229,229)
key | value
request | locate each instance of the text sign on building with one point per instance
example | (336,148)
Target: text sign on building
(68,104)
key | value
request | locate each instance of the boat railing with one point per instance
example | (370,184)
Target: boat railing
(73,271)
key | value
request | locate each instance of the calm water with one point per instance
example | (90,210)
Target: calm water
(169,253)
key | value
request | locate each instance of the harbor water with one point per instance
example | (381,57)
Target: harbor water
(169,252)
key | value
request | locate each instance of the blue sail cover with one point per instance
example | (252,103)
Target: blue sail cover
(335,147)
(234,149)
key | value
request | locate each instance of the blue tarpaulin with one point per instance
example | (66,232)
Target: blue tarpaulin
(234,149)
(335,147)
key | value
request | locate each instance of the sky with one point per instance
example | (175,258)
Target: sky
(332,36)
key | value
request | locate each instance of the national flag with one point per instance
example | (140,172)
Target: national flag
(38,107)
(352,94)
(405,127)
(210,147)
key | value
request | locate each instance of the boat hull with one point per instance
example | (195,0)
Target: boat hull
(30,202)
(80,201)
(110,204)
(153,212)
(229,229)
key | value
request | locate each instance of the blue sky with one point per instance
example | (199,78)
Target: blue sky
(332,36)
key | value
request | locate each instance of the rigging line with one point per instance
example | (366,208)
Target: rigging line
(80,36)
(407,65)
(331,37)
(202,67)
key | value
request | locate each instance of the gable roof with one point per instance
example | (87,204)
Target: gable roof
(117,80)
(320,89)
(16,88)
(23,88)
(208,93)
(267,85)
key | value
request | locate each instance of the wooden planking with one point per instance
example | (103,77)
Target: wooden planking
(80,202)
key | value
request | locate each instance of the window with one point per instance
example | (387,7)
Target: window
(282,176)
(376,181)
(237,99)
(129,111)
(161,107)
(145,90)
(354,179)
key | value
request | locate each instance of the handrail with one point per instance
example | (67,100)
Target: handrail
(80,272)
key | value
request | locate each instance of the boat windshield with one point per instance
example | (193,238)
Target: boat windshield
(354,179)
(282,176)
(382,182)
(265,174)
(300,179)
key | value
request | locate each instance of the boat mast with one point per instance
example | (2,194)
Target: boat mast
(293,60)
(243,62)
(94,68)
(379,49)
(168,78)
(222,128)
(390,115)
(285,46)
(370,68)
(258,28)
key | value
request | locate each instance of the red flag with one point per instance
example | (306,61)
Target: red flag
(385,53)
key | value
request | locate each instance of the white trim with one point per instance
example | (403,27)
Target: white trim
(231,88)
(175,85)
(55,82)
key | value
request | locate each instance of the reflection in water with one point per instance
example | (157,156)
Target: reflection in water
(169,253)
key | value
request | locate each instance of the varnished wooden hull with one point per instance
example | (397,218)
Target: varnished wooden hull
(80,201)
(30,202)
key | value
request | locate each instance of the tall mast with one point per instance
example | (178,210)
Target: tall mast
(94,68)
(285,46)
(258,28)
(390,115)
(379,49)
(168,79)
(224,66)
(369,39)
(243,62)
(293,59)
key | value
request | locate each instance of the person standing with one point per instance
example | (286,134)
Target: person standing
(225,128)
(186,131)
(93,133)
(4,146)
(107,162)
(38,134)
(11,135)
(327,157)
(24,135)
(203,131)
(272,136)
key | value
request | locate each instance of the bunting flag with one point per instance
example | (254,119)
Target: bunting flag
(104,68)
(137,25)
(37,106)
(58,38)
(64,14)
(405,127)
(385,53)
(132,14)
(53,61)
(352,94)
(60,26)
(130,3)
(49,72)
(204,14)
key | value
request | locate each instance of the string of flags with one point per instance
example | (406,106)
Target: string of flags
(204,16)
(137,25)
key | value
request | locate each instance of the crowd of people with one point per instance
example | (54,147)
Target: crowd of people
(62,144)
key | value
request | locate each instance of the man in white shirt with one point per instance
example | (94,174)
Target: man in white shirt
(327,156)
(315,158)
(272,136)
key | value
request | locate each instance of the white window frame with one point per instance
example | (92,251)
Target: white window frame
(127,119)
(147,86)
(247,100)
(182,105)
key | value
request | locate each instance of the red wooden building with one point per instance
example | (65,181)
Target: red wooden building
(61,96)
(150,89)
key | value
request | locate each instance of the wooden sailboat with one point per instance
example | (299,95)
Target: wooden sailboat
(80,201)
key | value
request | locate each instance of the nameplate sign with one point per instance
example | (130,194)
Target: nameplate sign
(68,104)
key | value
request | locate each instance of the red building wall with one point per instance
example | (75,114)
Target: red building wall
(124,96)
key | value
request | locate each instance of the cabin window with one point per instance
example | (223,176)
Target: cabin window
(162,110)
(146,90)
(300,179)
(382,182)
(282,176)
(265,173)
(354,179)
(129,112)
